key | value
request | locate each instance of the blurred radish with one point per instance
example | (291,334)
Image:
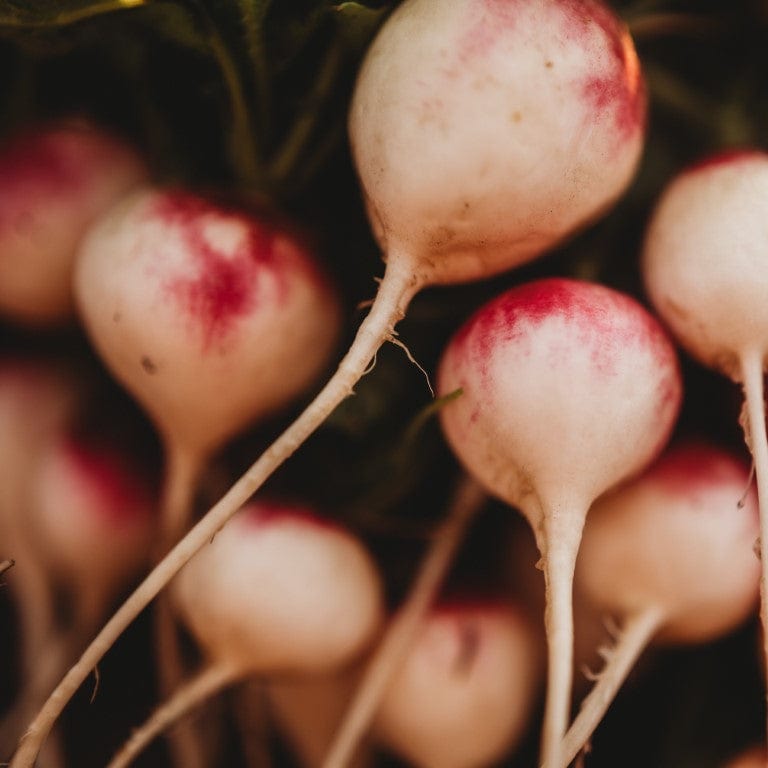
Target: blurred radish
(54,181)
(80,523)
(670,554)
(467,690)
(559,86)
(279,591)
(704,268)
(568,388)
(36,400)
(91,519)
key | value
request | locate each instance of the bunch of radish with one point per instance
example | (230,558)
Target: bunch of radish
(451,198)
(484,134)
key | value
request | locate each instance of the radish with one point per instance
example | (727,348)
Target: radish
(36,400)
(200,310)
(54,181)
(702,265)
(80,523)
(670,554)
(279,591)
(91,517)
(568,388)
(563,102)
(467,689)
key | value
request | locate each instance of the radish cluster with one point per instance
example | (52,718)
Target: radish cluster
(484,134)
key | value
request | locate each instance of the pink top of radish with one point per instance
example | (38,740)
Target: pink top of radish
(568,388)
(704,258)
(466,691)
(287,594)
(210,317)
(677,539)
(91,509)
(54,180)
(507,127)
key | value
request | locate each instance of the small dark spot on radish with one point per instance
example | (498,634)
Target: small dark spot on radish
(549,64)
(469,647)
(148,365)
(116,317)
(517,116)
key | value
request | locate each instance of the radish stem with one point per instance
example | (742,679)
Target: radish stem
(203,685)
(752,376)
(637,632)
(395,291)
(175,511)
(468,500)
(561,536)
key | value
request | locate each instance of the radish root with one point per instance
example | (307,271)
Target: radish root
(752,376)
(637,632)
(201,687)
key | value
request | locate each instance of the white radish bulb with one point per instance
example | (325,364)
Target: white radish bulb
(210,317)
(485,132)
(680,538)
(705,270)
(278,591)
(466,691)
(568,388)
(671,554)
(54,181)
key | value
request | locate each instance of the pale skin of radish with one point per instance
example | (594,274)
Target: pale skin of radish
(56,180)
(278,591)
(568,388)
(672,554)
(465,692)
(591,102)
(704,269)
(222,289)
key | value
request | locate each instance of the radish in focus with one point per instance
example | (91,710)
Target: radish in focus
(466,691)
(278,592)
(670,555)
(568,388)
(54,181)
(705,272)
